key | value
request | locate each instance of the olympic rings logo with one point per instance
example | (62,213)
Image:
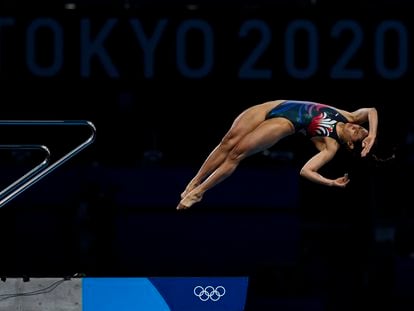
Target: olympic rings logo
(209,292)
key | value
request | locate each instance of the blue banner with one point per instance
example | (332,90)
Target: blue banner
(164,294)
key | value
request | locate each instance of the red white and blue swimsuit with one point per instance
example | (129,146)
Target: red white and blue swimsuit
(312,119)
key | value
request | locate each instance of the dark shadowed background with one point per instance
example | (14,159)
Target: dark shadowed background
(162,82)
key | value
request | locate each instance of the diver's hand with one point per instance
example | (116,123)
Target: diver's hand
(367,144)
(341,181)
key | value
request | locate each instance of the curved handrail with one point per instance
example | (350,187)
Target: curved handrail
(34,176)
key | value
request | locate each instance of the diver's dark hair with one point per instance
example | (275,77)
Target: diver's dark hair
(373,156)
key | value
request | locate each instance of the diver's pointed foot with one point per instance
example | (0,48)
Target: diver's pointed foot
(181,206)
(189,200)
(187,190)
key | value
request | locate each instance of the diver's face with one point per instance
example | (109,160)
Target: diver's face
(355,132)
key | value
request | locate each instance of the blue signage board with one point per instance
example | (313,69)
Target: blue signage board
(164,294)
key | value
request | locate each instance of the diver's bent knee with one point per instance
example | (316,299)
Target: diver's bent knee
(236,156)
(228,142)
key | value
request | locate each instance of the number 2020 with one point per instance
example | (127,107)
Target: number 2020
(340,69)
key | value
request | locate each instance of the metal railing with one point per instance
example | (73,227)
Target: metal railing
(45,167)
